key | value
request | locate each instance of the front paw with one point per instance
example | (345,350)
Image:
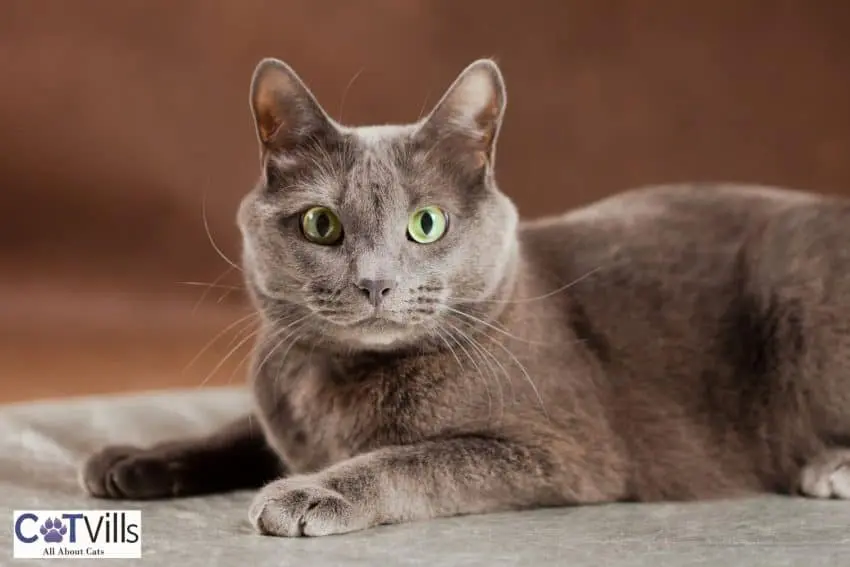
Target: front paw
(827,476)
(122,472)
(302,506)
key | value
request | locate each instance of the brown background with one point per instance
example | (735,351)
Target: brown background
(121,122)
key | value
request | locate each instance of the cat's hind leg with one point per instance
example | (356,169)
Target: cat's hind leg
(827,475)
(231,458)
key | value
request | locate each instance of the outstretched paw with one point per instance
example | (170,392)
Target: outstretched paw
(301,506)
(827,476)
(122,472)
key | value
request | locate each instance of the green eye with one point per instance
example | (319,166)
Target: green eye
(321,226)
(427,225)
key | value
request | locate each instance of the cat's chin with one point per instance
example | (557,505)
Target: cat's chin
(376,334)
(384,338)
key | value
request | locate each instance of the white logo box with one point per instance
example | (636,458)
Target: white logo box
(83,534)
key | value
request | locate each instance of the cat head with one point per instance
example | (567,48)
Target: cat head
(371,237)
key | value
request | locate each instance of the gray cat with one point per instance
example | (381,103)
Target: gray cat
(424,354)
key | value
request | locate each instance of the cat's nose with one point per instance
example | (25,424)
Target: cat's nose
(375,290)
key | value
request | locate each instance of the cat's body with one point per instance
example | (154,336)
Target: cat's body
(678,342)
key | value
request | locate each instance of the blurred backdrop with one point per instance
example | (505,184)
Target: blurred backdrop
(123,125)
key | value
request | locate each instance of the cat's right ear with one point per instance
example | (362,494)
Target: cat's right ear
(286,113)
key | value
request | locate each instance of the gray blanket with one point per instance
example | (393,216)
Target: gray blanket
(41,445)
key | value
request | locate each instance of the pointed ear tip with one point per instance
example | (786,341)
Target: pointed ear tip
(488,65)
(491,69)
(488,62)
(269,64)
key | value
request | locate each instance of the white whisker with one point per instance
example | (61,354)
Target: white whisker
(214,285)
(218,336)
(226,357)
(529,299)
(424,105)
(448,346)
(210,237)
(520,366)
(496,328)
(277,334)
(490,361)
(345,92)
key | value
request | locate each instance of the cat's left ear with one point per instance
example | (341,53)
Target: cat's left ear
(466,121)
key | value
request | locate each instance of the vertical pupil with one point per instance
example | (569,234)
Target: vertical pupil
(426,223)
(323,224)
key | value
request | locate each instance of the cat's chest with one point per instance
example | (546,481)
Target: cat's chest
(310,424)
(314,419)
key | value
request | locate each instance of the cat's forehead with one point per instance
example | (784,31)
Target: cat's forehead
(376,137)
(375,171)
(387,165)
(370,172)
(378,152)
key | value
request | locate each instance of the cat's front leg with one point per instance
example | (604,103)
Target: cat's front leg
(459,475)
(233,457)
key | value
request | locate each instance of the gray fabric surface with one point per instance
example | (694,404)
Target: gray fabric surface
(41,445)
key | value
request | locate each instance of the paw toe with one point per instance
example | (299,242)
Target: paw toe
(141,477)
(127,472)
(815,484)
(827,477)
(327,516)
(95,471)
(288,511)
(840,481)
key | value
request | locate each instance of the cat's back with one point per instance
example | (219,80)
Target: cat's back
(659,230)
(660,264)
(723,207)
(672,293)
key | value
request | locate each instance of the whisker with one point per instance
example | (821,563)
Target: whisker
(210,237)
(313,346)
(226,357)
(488,359)
(248,354)
(239,364)
(522,369)
(223,296)
(208,287)
(345,92)
(476,366)
(529,299)
(240,333)
(214,285)
(424,105)
(496,328)
(448,346)
(218,336)
(295,336)
(276,335)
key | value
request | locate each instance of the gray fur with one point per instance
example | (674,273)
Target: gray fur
(670,343)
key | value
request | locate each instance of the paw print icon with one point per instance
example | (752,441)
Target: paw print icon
(53,530)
